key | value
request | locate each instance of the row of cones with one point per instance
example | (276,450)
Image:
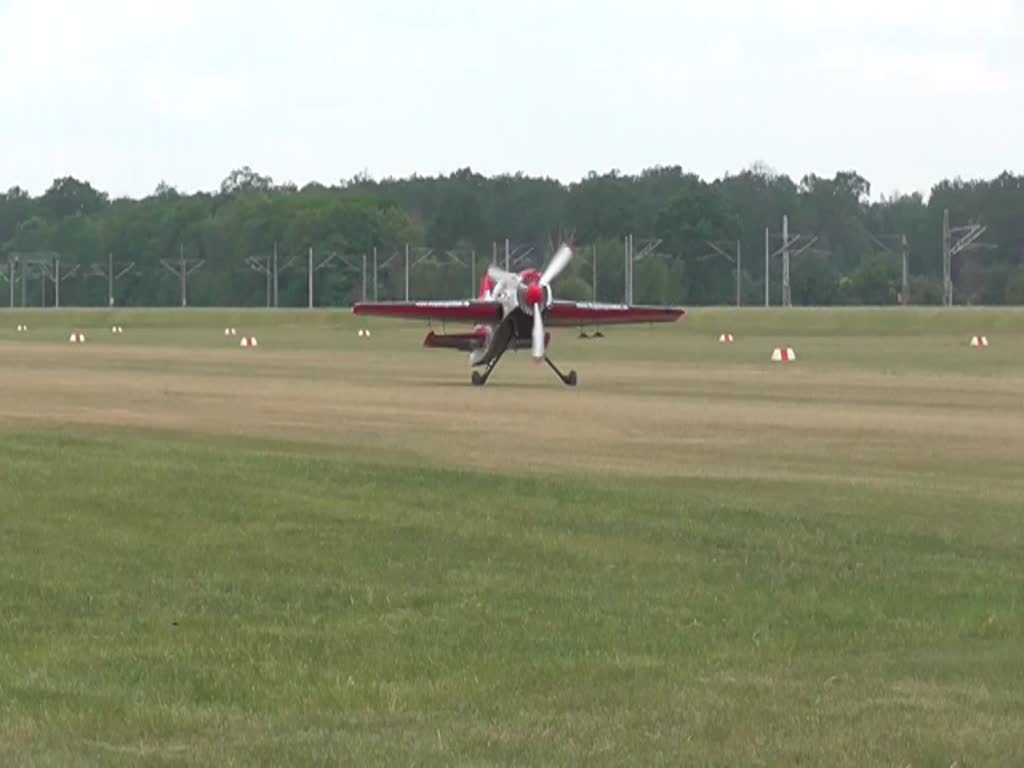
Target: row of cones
(976,341)
(779,354)
(246,342)
(79,338)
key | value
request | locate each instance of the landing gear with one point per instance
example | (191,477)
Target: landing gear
(569,380)
(479,379)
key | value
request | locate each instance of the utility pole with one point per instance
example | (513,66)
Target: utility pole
(508,255)
(35,264)
(375,273)
(472,272)
(739,273)
(738,261)
(182,269)
(905,280)
(632,258)
(107,273)
(904,262)
(947,261)
(632,266)
(9,277)
(312,269)
(767,266)
(57,277)
(787,295)
(262,265)
(632,262)
(275,275)
(629,270)
(593,265)
(788,241)
(364,277)
(406,271)
(184,273)
(625,271)
(967,238)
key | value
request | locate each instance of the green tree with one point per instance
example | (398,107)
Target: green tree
(813,281)
(68,196)
(876,283)
(1015,289)
(696,216)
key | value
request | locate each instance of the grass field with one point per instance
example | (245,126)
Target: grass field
(334,551)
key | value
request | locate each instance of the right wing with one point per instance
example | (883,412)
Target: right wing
(565,313)
(465,311)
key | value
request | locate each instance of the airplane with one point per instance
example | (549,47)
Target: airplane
(510,312)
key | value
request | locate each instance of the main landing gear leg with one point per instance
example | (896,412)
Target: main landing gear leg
(569,381)
(479,379)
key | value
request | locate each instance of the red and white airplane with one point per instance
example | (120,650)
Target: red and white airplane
(510,313)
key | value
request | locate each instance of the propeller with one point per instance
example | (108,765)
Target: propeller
(537,292)
(497,274)
(559,262)
(538,335)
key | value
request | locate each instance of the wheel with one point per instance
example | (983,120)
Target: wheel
(477,379)
(571,379)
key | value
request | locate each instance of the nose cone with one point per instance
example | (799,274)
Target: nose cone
(534,294)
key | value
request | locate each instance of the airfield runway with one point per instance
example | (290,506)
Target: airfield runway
(334,548)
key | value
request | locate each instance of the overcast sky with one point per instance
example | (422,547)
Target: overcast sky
(126,93)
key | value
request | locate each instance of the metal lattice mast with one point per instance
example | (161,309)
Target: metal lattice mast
(947,261)
(966,239)
(58,277)
(789,240)
(787,294)
(767,266)
(905,274)
(737,261)
(182,269)
(107,273)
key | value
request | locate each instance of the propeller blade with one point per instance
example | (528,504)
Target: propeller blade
(538,334)
(558,262)
(497,274)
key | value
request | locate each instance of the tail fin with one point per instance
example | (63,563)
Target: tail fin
(486,287)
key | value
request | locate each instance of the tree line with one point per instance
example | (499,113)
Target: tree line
(688,232)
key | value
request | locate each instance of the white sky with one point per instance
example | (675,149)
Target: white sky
(125,93)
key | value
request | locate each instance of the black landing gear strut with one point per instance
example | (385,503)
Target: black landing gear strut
(479,379)
(569,381)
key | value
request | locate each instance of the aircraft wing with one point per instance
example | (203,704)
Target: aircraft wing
(443,311)
(579,313)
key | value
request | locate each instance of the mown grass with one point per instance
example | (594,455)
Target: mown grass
(335,551)
(176,602)
(748,321)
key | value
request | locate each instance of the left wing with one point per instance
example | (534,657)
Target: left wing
(464,311)
(571,313)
